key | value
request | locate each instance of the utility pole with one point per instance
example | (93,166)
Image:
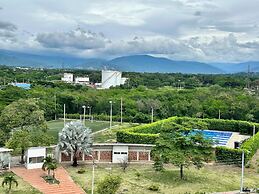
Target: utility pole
(152,114)
(84,107)
(64,115)
(89,107)
(242,173)
(110,114)
(55,98)
(219,113)
(121,111)
(253,132)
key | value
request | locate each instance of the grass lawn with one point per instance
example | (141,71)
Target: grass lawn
(23,187)
(56,126)
(208,179)
(109,136)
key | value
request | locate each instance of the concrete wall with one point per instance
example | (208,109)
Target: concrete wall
(34,157)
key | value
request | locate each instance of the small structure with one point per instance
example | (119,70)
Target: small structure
(34,157)
(68,78)
(112,79)
(82,80)
(114,153)
(5,158)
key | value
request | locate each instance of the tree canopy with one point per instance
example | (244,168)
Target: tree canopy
(75,139)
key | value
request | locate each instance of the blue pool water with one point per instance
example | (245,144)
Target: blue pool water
(23,85)
(220,138)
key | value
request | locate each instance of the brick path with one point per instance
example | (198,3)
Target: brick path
(33,177)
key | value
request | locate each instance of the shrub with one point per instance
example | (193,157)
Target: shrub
(81,171)
(251,145)
(153,187)
(109,185)
(229,156)
(138,174)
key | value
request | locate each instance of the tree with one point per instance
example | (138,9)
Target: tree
(75,139)
(22,114)
(9,180)
(23,139)
(49,164)
(183,147)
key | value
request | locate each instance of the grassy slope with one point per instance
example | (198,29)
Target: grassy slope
(208,179)
(22,188)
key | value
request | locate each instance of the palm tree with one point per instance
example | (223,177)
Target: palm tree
(9,180)
(47,162)
(74,139)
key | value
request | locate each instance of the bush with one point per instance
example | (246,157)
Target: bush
(109,185)
(251,145)
(153,187)
(81,171)
(229,156)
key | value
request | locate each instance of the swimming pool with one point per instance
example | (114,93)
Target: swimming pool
(220,138)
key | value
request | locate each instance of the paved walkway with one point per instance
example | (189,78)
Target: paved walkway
(33,177)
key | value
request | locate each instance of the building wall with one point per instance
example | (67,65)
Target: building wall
(105,154)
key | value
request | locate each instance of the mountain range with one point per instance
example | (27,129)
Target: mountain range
(132,63)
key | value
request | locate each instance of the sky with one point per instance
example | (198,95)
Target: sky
(200,30)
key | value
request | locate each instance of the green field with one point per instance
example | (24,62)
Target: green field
(56,126)
(22,188)
(208,179)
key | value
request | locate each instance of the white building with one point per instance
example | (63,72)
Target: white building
(68,77)
(34,157)
(82,80)
(112,79)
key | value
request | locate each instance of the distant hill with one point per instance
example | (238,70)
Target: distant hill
(146,63)
(133,63)
(12,58)
(238,67)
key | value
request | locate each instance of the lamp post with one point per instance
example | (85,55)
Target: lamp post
(110,114)
(121,111)
(152,114)
(92,190)
(64,115)
(89,107)
(84,107)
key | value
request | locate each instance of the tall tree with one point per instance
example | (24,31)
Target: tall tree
(22,114)
(75,139)
(183,147)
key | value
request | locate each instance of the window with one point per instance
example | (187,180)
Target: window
(34,160)
(124,153)
(116,153)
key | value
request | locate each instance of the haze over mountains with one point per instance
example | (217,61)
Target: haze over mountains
(133,63)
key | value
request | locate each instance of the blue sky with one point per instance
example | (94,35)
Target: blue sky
(202,30)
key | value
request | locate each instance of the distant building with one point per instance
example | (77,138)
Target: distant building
(82,80)
(68,77)
(111,79)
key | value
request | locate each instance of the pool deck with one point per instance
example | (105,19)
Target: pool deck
(236,137)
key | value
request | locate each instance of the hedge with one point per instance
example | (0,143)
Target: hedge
(149,133)
(229,155)
(251,145)
(134,134)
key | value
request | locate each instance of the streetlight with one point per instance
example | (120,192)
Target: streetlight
(92,191)
(84,114)
(110,114)
(121,110)
(89,107)
(64,115)
(152,114)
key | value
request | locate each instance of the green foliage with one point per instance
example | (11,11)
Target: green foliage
(149,133)
(182,147)
(109,185)
(251,145)
(158,163)
(229,156)
(75,139)
(49,164)
(153,187)
(22,114)
(8,181)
